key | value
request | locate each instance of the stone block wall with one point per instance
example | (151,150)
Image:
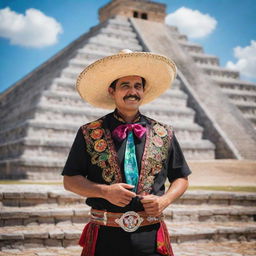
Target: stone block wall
(136,8)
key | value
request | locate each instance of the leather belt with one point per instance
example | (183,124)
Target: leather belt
(128,221)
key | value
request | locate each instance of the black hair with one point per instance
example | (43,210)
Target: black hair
(113,84)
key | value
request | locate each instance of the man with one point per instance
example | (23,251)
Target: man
(121,161)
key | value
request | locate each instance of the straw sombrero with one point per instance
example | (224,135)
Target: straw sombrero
(93,82)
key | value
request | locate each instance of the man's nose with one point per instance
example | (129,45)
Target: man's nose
(132,90)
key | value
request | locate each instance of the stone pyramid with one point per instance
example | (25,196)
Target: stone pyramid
(212,111)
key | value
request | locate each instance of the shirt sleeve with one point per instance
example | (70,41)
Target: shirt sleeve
(177,165)
(78,158)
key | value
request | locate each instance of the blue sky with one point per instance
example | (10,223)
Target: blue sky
(235,26)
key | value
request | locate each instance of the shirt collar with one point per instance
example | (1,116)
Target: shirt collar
(117,115)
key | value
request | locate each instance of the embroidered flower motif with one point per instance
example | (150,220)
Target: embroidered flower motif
(103,157)
(100,145)
(108,175)
(157,141)
(96,134)
(94,125)
(102,164)
(156,151)
(160,130)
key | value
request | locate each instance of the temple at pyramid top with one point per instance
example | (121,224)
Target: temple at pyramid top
(141,9)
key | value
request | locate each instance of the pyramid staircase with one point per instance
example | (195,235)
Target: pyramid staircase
(46,220)
(37,131)
(241,93)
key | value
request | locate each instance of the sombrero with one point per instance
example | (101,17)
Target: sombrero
(93,82)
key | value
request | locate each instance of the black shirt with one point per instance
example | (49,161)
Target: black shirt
(79,160)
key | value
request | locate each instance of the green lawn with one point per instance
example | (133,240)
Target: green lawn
(224,188)
(216,188)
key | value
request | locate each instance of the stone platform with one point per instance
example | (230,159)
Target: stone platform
(45,220)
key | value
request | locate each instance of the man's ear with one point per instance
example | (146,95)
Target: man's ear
(111,91)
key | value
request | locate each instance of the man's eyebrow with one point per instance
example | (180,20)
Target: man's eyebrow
(125,83)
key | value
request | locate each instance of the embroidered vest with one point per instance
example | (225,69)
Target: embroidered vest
(101,149)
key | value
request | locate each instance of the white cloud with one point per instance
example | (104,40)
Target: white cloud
(192,22)
(246,62)
(34,29)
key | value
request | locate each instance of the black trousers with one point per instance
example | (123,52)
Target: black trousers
(114,241)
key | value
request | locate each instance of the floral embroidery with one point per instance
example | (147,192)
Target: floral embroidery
(157,141)
(160,130)
(94,125)
(96,134)
(156,151)
(100,146)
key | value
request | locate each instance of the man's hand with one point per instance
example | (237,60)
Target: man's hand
(118,194)
(153,205)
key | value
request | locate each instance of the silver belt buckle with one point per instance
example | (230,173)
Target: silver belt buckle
(129,221)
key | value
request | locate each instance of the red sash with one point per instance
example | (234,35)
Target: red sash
(88,239)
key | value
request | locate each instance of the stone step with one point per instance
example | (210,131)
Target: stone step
(172,29)
(32,168)
(22,195)
(79,64)
(67,84)
(58,147)
(13,119)
(55,129)
(158,109)
(121,27)
(179,37)
(73,114)
(240,94)
(191,47)
(199,248)
(176,98)
(64,84)
(67,235)
(119,20)
(103,40)
(245,106)
(205,59)
(38,166)
(118,33)
(230,83)
(176,35)
(90,55)
(117,38)
(216,71)
(80,213)
(103,50)
(96,50)
(71,73)
(182,38)
(78,114)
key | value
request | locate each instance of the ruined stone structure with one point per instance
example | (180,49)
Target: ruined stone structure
(212,111)
(141,9)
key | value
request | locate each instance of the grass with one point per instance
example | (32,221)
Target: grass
(214,188)
(18,182)
(225,188)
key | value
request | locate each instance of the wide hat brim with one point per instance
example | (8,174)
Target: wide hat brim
(93,82)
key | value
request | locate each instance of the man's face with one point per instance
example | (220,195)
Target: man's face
(128,93)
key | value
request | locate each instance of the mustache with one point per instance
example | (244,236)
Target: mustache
(128,96)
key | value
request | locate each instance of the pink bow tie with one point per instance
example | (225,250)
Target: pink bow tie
(120,132)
